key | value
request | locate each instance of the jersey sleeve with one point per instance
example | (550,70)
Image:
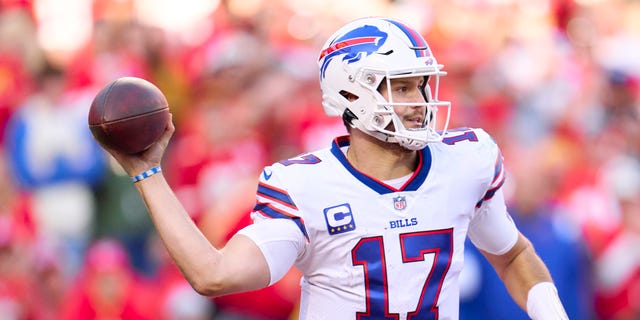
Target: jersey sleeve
(280,242)
(273,200)
(491,228)
(494,160)
(277,229)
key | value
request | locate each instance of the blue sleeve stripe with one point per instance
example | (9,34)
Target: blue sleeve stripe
(270,212)
(490,193)
(493,191)
(276,194)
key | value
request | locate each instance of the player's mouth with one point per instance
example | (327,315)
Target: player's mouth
(413,122)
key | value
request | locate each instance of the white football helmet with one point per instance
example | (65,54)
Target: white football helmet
(362,54)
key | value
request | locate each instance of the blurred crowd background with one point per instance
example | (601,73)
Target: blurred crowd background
(555,82)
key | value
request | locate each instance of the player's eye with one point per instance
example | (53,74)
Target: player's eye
(402,89)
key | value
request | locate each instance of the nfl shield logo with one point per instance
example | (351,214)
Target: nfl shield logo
(399,202)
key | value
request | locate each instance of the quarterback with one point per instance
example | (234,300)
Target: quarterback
(377,221)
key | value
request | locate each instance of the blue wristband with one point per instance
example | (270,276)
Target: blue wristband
(146,174)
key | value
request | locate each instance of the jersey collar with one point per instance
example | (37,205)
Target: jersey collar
(416,180)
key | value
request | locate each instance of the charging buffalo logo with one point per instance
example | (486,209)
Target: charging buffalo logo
(354,44)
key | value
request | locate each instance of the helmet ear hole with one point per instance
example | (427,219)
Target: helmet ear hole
(349,96)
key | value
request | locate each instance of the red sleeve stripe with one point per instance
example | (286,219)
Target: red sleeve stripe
(270,211)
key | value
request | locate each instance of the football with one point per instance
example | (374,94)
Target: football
(129,114)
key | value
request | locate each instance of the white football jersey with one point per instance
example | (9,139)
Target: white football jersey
(373,251)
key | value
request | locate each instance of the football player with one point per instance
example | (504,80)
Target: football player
(376,222)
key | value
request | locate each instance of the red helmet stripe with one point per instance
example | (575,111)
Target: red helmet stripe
(346,43)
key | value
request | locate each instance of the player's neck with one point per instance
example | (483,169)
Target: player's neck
(378,159)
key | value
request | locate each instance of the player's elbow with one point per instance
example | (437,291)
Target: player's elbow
(213,284)
(234,269)
(208,286)
(206,290)
(227,281)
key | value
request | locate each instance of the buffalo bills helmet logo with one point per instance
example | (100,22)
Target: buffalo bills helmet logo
(354,44)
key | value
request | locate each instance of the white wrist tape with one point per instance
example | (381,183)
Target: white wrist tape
(543,303)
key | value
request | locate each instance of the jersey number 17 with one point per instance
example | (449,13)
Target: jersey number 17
(369,253)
